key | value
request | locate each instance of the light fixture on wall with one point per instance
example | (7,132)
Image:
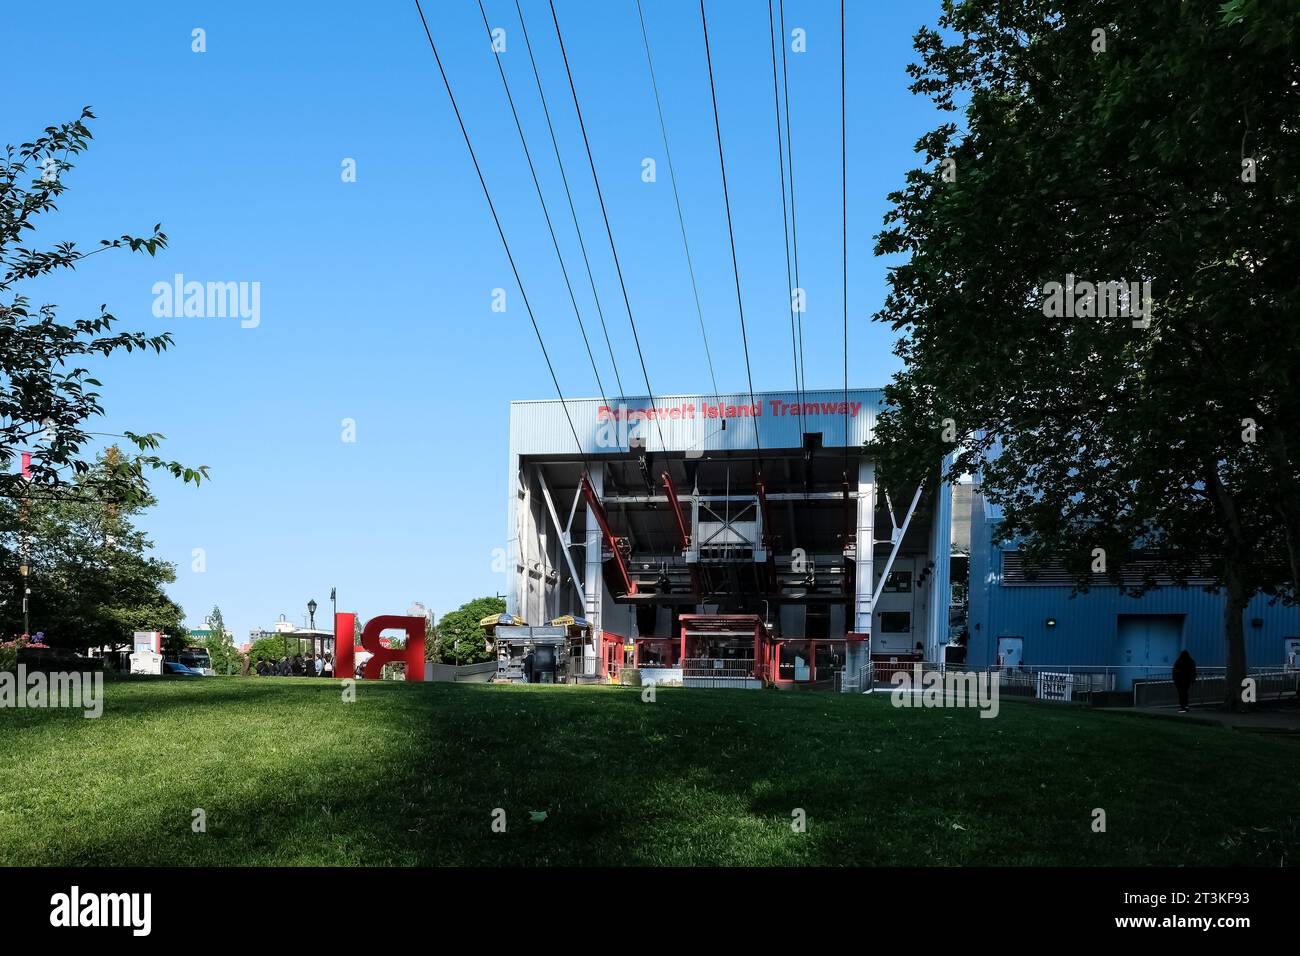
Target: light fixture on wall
(1050,622)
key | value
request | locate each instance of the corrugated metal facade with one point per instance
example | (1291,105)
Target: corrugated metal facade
(1086,632)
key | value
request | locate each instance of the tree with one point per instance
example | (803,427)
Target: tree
(92,578)
(1108,142)
(46,397)
(266,649)
(460,639)
(220,644)
(432,650)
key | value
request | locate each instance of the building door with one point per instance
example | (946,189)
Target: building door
(1291,653)
(1147,646)
(1010,651)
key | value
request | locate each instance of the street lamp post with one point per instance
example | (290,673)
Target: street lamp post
(22,571)
(334,622)
(311,624)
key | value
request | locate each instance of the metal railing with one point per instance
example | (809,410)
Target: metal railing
(1213,688)
(857,681)
(717,671)
(1052,683)
(1150,685)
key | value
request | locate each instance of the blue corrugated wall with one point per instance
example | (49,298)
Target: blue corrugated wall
(1086,631)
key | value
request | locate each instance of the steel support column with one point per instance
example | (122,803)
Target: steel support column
(857,650)
(562,532)
(595,580)
(684,534)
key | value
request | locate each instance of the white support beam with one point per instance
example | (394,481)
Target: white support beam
(857,653)
(863,602)
(898,542)
(595,580)
(512,549)
(564,535)
(573,510)
(941,578)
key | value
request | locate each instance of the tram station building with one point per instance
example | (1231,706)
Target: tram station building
(736,540)
(730,536)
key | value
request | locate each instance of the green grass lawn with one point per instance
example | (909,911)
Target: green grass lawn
(411,774)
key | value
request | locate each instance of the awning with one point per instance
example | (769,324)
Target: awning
(569,620)
(492,621)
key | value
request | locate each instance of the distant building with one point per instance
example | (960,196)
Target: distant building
(307,641)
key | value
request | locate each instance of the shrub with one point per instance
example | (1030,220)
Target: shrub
(9,654)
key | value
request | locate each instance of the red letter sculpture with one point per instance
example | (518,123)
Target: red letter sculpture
(412,655)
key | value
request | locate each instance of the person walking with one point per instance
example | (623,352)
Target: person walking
(1184,676)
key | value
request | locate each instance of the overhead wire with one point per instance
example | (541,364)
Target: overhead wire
(609,231)
(726,197)
(546,213)
(568,193)
(794,218)
(791,283)
(677,199)
(496,219)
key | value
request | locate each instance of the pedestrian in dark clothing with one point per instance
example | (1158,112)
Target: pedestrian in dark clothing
(528,668)
(1184,675)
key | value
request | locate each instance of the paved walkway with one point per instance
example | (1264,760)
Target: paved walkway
(1273,720)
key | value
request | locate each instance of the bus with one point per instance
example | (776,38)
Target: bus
(198,658)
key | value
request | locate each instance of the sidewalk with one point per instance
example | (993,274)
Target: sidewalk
(1284,720)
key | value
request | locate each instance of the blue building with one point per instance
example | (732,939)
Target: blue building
(1021,616)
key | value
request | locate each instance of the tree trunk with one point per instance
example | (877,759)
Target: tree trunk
(1288,498)
(1234,656)
(1236,591)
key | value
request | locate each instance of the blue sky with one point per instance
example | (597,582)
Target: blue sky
(376,295)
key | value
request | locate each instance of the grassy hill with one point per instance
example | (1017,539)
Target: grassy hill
(287,773)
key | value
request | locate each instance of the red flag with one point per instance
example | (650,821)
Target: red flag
(27,465)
